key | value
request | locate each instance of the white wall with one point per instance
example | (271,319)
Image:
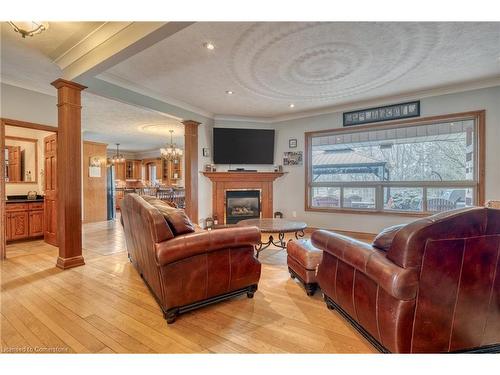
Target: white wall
(289,191)
(204,184)
(205,135)
(20,104)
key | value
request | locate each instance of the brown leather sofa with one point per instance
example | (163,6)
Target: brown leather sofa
(435,289)
(187,269)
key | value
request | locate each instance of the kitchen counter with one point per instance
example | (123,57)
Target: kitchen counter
(22,199)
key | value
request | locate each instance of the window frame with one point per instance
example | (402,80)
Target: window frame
(477,184)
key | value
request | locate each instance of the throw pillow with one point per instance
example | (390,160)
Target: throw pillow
(176,218)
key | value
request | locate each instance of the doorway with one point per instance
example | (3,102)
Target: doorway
(28,185)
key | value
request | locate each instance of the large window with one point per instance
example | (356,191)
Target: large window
(425,166)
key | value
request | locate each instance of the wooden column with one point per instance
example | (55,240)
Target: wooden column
(2,191)
(191,168)
(69,173)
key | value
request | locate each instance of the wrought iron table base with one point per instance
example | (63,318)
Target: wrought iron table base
(280,243)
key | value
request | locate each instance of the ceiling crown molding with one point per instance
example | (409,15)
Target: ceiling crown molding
(420,94)
(264,120)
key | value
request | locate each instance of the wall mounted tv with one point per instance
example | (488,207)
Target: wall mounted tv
(243,146)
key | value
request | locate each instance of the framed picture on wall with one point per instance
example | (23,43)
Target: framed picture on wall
(94,166)
(292,143)
(292,158)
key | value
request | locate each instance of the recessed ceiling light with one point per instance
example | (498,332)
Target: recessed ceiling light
(209,45)
(291,105)
(229,92)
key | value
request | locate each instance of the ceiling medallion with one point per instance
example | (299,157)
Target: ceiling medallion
(160,129)
(328,60)
(29,28)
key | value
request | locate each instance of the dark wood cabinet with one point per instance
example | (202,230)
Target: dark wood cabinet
(24,220)
(19,225)
(35,223)
(8,236)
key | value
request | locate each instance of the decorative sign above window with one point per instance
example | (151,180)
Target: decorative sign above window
(385,113)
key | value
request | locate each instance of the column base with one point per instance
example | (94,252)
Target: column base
(65,263)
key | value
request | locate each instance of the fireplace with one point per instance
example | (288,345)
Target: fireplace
(241,205)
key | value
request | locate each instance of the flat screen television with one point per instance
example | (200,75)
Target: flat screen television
(243,146)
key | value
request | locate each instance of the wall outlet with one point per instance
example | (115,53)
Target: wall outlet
(294,213)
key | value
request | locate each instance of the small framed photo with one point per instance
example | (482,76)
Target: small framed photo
(206,152)
(292,143)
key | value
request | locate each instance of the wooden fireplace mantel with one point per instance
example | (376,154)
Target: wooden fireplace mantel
(223,181)
(243,176)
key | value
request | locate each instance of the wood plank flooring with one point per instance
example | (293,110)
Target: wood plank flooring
(104,307)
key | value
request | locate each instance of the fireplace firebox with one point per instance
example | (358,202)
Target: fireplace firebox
(241,205)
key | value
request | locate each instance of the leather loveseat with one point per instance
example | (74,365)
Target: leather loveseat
(435,289)
(187,269)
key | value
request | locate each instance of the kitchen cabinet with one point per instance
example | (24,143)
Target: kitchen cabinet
(120,171)
(133,169)
(171,172)
(24,220)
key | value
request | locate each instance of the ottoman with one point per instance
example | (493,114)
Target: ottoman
(303,259)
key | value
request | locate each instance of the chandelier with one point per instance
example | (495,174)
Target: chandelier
(172,152)
(117,157)
(29,28)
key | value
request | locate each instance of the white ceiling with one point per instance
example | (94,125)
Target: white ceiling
(136,129)
(316,66)
(313,65)
(28,63)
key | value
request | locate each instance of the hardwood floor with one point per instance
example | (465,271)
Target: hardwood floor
(104,307)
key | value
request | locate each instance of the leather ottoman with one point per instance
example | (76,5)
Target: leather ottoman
(303,259)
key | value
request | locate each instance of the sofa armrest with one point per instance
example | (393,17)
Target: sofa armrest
(196,243)
(401,283)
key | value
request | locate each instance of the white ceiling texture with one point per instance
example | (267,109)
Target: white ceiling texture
(267,66)
(31,63)
(312,65)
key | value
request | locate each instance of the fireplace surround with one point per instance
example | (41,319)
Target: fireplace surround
(224,181)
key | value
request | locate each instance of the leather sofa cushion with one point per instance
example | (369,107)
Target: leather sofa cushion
(383,240)
(176,218)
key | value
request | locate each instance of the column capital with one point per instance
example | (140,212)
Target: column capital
(190,122)
(58,83)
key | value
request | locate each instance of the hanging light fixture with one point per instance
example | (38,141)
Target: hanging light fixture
(29,28)
(117,157)
(172,152)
